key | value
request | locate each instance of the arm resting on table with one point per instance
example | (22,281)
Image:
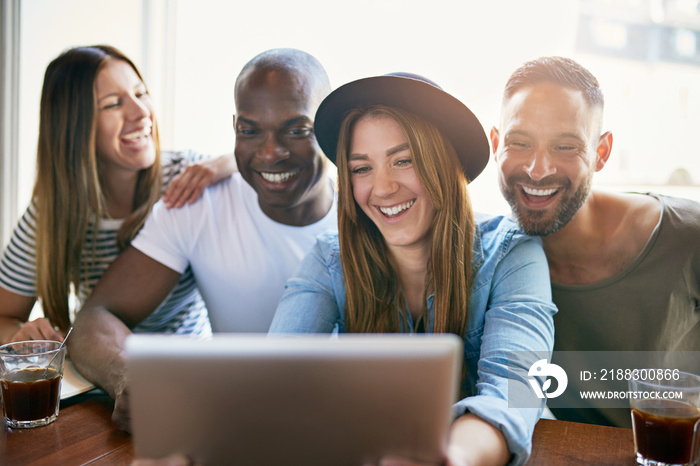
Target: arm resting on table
(129,291)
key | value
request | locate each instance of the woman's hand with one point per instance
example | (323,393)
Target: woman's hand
(189,185)
(39,329)
(174,460)
(473,442)
(454,458)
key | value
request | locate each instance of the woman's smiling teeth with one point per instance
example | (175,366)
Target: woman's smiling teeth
(145,131)
(396,210)
(279,177)
(539,192)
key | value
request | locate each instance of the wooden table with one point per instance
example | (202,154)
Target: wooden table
(572,443)
(84,434)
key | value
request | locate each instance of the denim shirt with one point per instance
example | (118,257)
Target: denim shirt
(510,309)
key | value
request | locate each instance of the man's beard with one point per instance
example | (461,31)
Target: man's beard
(536,222)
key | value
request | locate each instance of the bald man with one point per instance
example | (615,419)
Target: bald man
(243,239)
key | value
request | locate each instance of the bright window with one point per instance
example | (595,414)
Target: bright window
(645,54)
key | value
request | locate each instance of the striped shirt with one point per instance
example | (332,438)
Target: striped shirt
(183,311)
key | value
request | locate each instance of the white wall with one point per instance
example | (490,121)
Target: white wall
(192,50)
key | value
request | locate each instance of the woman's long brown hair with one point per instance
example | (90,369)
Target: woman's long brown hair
(68,191)
(374,300)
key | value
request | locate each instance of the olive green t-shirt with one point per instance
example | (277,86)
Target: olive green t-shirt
(653,305)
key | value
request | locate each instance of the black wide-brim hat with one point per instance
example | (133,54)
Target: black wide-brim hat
(414,94)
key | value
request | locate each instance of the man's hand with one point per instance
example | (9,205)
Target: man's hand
(121,417)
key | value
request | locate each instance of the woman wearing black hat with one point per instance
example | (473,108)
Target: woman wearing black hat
(410,257)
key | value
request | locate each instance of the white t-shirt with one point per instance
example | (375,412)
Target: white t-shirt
(241,258)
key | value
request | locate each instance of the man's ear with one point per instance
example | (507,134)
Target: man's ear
(603,150)
(495,139)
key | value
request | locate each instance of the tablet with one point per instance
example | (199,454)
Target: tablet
(293,400)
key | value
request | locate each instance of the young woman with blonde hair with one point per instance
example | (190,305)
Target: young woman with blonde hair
(411,257)
(99,172)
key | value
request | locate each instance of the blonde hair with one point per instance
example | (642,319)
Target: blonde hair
(374,300)
(68,189)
